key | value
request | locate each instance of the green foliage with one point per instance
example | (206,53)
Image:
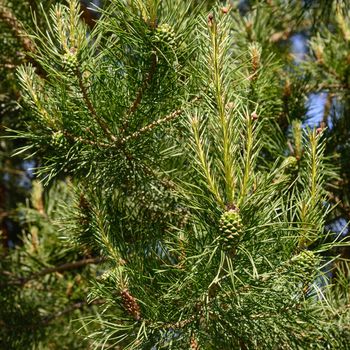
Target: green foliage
(40,295)
(207,211)
(328,65)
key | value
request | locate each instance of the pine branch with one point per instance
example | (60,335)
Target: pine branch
(71,308)
(61,268)
(8,17)
(86,141)
(151,126)
(179,324)
(216,60)
(140,93)
(152,22)
(91,108)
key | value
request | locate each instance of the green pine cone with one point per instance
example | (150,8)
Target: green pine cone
(70,61)
(58,140)
(290,164)
(164,36)
(231,228)
(305,263)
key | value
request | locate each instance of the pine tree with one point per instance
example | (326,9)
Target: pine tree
(195,183)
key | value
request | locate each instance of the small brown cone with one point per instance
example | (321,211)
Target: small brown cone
(130,304)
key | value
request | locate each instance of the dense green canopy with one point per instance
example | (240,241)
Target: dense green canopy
(188,200)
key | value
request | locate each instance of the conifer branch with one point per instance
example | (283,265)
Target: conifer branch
(77,306)
(86,141)
(188,269)
(224,123)
(151,126)
(179,324)
(60,268)
(91,108)
(202,157)
(333,87)
(28,45)
(141,91)
(147,80)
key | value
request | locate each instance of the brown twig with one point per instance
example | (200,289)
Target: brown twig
(141,91)
(71,308)
(86,141)
(5,214)
(61,268)
(179,324)
(339,87)
(13,171)
(154,124)
(151,126)
(327,108)
(91,108)
(148,78)
(28,45)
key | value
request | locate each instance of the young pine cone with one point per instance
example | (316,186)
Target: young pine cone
(70,61)
(231,228)
(290,164)
(58,140)
(305,263)
(164,36)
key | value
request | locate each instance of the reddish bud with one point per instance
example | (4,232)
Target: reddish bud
(225,10)
(254,116)
(321,128)
(210,19)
